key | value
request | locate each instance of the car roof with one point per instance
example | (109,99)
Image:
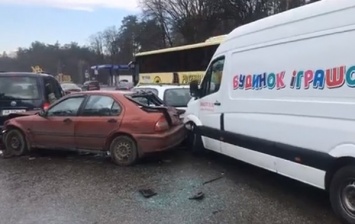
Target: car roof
(31,74)
(102,92)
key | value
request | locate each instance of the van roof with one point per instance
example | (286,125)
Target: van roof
(290,16)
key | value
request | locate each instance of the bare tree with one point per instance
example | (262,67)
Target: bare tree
(97,44)
(155,9)
(111,42)
(195,20)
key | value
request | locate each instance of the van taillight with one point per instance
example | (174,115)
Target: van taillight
(46,106)
(161,125)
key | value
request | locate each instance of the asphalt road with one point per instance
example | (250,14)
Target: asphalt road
(70,188)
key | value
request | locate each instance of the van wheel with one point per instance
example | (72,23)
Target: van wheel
(342,194)
(15,143)
(196,142)
(124,151)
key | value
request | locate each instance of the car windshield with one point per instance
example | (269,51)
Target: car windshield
(177,97)
(153,90)
(19,87)
(69,86)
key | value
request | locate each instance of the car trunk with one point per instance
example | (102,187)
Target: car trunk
(154,104)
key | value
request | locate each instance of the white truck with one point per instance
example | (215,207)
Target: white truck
(279,93)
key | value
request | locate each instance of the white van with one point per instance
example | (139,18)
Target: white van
(286,98)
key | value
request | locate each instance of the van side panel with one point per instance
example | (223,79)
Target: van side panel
(291,101)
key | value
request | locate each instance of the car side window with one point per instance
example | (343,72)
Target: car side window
(212,81)
(68,107)
(101,106)
(57,89)
(51,90)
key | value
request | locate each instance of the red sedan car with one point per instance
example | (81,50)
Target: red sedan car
(126,124)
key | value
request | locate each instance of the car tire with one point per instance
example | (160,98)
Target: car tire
(343,184)
(196,143)
(124,151)
(15,143)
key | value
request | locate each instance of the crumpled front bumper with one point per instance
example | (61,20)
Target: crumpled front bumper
(2,134)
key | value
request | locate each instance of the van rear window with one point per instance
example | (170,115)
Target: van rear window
(19,87)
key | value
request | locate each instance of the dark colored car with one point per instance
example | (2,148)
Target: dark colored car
(70,88)
(91,85)
(127,125)
(24,91)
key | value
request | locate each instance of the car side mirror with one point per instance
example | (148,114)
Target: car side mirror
(42,113)
(194,90)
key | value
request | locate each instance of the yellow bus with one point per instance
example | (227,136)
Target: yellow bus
(176,65)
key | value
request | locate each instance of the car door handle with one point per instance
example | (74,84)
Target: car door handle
(67,120)
(217,103)
(112,121)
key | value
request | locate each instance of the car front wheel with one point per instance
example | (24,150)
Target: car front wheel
(196,143)
(15,142)
(342,194)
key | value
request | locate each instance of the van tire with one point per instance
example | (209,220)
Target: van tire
(124,151)
(15,143)
(343,181)
(196,143)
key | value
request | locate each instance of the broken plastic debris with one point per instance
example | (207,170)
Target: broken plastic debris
(147,193)
(214,179)
(200,195)
(216,211)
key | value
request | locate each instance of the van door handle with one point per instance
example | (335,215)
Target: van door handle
(112,121)
(67,120)
(217,103)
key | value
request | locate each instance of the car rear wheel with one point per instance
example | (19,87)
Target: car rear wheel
(124,151)
(342,194)
(15,142)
